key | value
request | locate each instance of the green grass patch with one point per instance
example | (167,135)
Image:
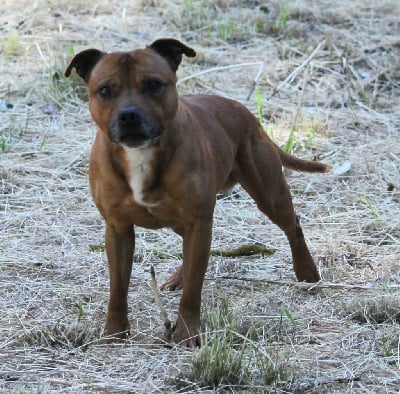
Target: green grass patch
(10,44)
(233,355)
(61,89)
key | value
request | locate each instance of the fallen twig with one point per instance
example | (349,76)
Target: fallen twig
(296,71)
(256,79)
(71,383)
(220,68)
(158,301)
(242,250)
(304,285)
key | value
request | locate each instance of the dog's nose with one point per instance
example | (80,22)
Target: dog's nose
(129,117)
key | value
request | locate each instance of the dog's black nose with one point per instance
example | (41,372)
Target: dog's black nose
(128,117)
(131,128)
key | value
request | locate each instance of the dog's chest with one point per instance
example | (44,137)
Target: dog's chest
(140,173)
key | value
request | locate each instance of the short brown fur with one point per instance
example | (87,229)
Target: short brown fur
(158,160)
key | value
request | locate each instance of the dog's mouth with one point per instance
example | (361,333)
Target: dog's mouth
(136,139)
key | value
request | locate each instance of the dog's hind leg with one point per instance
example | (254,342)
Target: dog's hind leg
(175,281)
(261,176)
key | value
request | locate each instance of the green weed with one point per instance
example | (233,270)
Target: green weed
(386,288)
(282,19)
(195,13)
(218,364)
(10,44)
(43,143)
(260,25)
(285,312)
(9,134)
(390,343)
(225,31)
(289,146)
(80,309)
(311,128)
(62,89)
(230,357)
(260,106)
(5,138)
(209,20)
(3,144)
(188,5)
(370,206)
(261,118)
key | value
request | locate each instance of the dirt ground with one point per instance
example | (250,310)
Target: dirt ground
(330,73)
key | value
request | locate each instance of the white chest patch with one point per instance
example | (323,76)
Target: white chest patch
(139,172)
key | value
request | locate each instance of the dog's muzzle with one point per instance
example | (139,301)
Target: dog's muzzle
(130,129)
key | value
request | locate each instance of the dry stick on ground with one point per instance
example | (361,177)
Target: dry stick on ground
(242,250)
(254,83)
(158,301)
(296,71)
(220,68)
(301,100)
(82,386)
(303,285)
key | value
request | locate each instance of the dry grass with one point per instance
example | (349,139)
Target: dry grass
(343,107)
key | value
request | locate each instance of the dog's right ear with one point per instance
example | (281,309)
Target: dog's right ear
(84,63)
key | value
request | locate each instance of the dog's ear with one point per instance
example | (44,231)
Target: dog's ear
(172,50)
(84,63)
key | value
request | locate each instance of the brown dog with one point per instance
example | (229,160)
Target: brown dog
(159,160)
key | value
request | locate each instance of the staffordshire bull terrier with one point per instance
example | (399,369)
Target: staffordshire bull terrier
(159,160)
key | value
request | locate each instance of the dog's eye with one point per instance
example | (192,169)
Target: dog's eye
(153,86)
(105,92)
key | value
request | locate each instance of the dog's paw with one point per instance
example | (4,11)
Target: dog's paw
(116,331)
(187,334)
(190,342)
(310,275)
(174,282)
(109,339)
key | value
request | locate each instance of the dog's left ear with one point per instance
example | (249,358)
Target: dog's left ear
(172,50)
(84,63)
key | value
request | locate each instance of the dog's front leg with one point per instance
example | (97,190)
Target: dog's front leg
(196,250)
(120,246)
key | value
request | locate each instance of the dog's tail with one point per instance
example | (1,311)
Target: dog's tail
(294,163)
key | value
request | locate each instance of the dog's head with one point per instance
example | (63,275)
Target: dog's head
(132,95)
